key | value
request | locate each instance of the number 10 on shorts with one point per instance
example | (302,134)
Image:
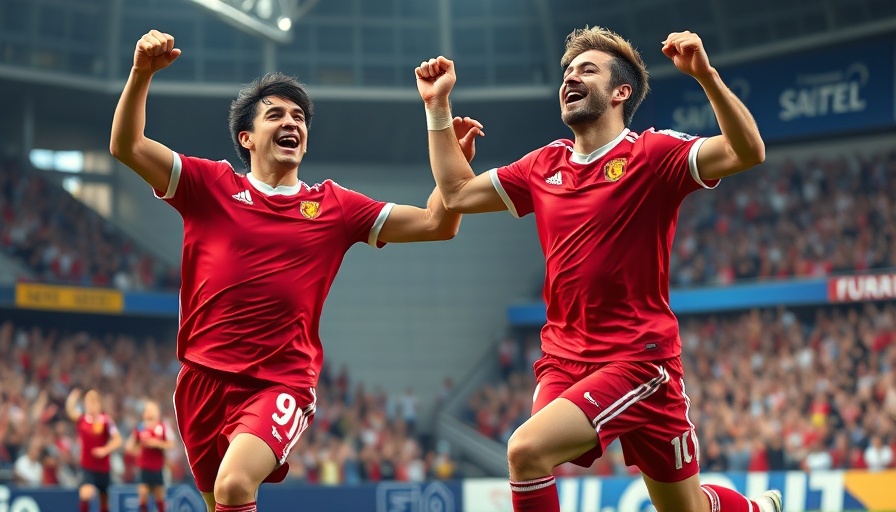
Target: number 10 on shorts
(682,449)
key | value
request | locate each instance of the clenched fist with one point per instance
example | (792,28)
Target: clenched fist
(155,51)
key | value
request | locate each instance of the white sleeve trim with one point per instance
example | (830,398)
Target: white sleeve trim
(692,164)
(173,180)
(496,182)
(378,224)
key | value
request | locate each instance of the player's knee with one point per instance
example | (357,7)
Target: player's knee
(234,488)
(86,492)
(524,455)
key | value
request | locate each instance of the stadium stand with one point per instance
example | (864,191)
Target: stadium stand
(358,434)
(773,389)
(57,239)
(798,219)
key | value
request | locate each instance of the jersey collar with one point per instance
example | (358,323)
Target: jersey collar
(599,152)
(280,190)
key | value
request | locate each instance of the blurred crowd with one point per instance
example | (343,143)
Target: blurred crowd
(357,434)
(807,219)
(62,241)
(770,390)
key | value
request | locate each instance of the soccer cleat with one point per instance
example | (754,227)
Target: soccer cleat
(770,501)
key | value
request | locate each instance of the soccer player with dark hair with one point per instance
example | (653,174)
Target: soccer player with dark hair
(260,252)
(606,206)
(98,437)
(149,440)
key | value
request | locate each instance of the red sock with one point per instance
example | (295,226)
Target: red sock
(722,499)
(144,507)
(160,505)
(247,507)
(83,506)
(104,506)
(539,495)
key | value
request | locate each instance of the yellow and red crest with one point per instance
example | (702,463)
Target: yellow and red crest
(310,209)
(614,169)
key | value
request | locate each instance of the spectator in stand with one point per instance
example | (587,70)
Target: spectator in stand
(878,455)
(28,470)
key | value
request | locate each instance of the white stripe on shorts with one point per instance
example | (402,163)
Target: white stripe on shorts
(632,397)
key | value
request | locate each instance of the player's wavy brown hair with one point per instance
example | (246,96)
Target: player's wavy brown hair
(627,68)
(245,107)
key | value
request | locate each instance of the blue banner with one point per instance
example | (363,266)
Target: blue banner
(435,496)
(828,91)
(703,300)
(824,491)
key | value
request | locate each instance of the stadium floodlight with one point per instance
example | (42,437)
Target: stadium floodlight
(271,19)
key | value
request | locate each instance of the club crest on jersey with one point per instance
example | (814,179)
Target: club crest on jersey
(309,209)
(614,169)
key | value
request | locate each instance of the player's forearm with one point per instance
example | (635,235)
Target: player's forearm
(129,121)
(113,444)
(449,166)
(735,121)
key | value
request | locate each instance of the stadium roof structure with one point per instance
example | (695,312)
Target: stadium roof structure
(366,49)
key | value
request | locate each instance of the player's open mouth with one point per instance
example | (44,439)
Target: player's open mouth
(573,96)
(288,142)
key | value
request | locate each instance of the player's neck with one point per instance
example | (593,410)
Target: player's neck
(591,136)
(275,177)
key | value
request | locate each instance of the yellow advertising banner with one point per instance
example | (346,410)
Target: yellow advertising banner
(68,298)
(873,490)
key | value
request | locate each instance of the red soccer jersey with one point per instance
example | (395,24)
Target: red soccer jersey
(606,223)
(94,432)
(151,459)
(257,265)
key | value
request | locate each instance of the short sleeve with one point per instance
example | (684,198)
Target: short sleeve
(674,157)
(189,182)
(111,427)
(512,183)
(364,217)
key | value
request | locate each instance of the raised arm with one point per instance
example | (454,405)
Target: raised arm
(71,404)
(434,222)
(148,158)
(740,145)
(462,191)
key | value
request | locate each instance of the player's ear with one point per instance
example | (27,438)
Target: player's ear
(245,139)
(622,93)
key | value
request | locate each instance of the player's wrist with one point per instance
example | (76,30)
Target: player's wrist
(141,73)
(438,116)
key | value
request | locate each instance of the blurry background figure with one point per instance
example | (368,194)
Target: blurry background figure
(149,441)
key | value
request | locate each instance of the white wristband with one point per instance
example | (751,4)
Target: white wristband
(438,119)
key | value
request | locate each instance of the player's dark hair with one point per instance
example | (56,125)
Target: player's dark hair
(244,108)
(627,67)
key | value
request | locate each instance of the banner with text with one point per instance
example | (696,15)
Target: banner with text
(828,91)
(823,491)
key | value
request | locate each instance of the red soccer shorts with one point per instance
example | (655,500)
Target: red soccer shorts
(211,411)
(641,403)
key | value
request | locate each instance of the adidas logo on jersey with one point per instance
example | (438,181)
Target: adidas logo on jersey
(556,179)
(243,197)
